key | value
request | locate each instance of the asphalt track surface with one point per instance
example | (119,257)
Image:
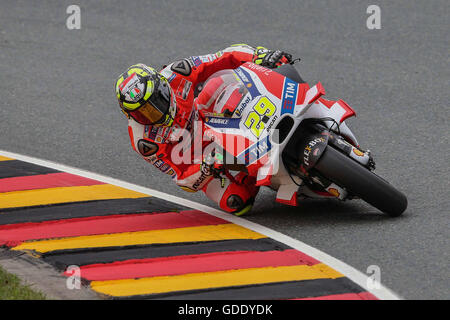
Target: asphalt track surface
(58,104)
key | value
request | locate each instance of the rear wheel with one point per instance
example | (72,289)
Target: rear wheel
(361,182)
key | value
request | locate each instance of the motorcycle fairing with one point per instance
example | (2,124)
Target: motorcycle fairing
(282,97)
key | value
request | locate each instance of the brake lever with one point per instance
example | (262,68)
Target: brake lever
(294,61)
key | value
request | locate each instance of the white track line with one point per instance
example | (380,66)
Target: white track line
(356,276)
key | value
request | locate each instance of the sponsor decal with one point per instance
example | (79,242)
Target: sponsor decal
(359,153)
(132,88)
(171,173)
(241,74)
(334,192)
(254,152)
(308,149)
(157,134)
(316,152)
(212,114)
(261,148)
(242,105)
(158,163)
(207,58)
(248,82)
(183,89)
(205,174)
(164,167)
(205,169)
(275,117)
(152,132)
(135,93)
(162,135)
(259,68)
(196,61)
(186,89)
(220,122)
(171,77)
(161,165)
(289,96)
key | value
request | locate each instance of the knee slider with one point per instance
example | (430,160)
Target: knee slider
(235,198)
(235,202)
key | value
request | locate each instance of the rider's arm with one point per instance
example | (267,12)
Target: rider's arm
(197,69)
(234,56)
(186,174)
(141,142)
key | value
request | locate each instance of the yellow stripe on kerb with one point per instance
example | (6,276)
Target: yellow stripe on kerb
(2,158)
(65,194)
(190,234)
(196,281)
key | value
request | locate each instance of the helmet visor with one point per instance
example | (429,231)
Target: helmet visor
(153,111)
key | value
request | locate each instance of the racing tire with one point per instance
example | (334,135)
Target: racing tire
(361,182)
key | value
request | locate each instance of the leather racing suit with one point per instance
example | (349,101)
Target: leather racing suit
(185,76)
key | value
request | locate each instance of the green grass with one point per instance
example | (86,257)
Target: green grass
(11,288)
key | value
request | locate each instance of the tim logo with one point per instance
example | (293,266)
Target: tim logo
(289,96)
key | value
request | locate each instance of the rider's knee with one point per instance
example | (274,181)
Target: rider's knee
(231,197)
(235,198)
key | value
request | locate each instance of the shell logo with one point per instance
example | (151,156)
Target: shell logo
(334,192)
(359,153)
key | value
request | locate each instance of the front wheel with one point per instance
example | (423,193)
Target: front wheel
(361,182)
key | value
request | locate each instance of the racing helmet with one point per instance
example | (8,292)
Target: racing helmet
(146,96)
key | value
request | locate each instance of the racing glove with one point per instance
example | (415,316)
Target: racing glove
(271,58)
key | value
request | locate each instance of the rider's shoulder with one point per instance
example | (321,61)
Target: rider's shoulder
(183,67)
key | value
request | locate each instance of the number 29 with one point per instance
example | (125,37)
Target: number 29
(255,121)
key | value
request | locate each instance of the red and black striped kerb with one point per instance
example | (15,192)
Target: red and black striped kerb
(131,245)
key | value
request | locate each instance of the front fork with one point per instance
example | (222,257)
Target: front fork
(356,153)
(311,144)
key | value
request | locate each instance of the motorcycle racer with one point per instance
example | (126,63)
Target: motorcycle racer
(159,107)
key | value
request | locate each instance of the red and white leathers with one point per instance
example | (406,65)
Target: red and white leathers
(184,76)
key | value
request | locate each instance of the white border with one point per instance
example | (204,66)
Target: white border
(348,271)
